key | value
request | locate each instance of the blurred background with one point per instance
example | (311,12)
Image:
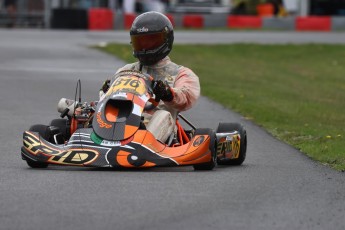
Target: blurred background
(74,14)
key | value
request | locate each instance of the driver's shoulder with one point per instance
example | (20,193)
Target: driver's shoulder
(130,66)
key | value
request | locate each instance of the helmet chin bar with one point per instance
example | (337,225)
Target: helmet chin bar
(151,57)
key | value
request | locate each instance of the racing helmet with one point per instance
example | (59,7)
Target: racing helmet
(152,37)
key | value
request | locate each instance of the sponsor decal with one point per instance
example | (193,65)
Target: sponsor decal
(102,123)
(75,157)
(142,29)
(229,147)
(236,147)
(35,147)
(100,141)
(198,141)
(110,143)
(224,147)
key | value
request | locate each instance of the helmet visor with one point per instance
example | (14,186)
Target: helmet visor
(145,42)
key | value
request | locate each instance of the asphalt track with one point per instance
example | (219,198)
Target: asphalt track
(276,188)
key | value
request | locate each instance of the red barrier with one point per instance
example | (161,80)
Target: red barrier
(128,20)
(313,23)
(244,22)
(100,19)
(193,21)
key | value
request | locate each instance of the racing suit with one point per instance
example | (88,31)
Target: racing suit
(186,87)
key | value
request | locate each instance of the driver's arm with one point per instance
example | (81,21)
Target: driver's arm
(186,90)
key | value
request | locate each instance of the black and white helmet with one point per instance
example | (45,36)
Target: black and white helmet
(152,37)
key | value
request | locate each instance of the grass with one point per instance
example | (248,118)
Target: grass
(296,92)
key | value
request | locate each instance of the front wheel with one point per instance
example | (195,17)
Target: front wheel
(213,162)
(231,127)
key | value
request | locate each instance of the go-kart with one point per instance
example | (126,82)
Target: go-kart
(111,133)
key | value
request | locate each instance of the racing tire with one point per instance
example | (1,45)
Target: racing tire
(44,133)
(213,162)
(230,127)
(62,125)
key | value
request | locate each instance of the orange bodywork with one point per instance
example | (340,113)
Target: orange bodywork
(122,159)
(186,154)
(111,113)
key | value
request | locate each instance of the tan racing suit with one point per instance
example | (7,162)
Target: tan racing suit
(186,87)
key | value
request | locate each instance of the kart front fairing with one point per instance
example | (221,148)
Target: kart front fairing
(84,149)
(118,114)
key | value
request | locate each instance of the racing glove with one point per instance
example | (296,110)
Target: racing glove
(105,86)
(162,91)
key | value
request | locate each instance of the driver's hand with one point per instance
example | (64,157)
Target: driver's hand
(162,91)
(105,86)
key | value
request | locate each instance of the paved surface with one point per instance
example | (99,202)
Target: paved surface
(276,188)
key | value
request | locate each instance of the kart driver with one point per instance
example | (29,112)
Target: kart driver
(178,87)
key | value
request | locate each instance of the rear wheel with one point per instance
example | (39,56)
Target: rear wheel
(230,127)
(213,162)
(44,132)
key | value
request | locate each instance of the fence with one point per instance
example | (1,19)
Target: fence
(28,13)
